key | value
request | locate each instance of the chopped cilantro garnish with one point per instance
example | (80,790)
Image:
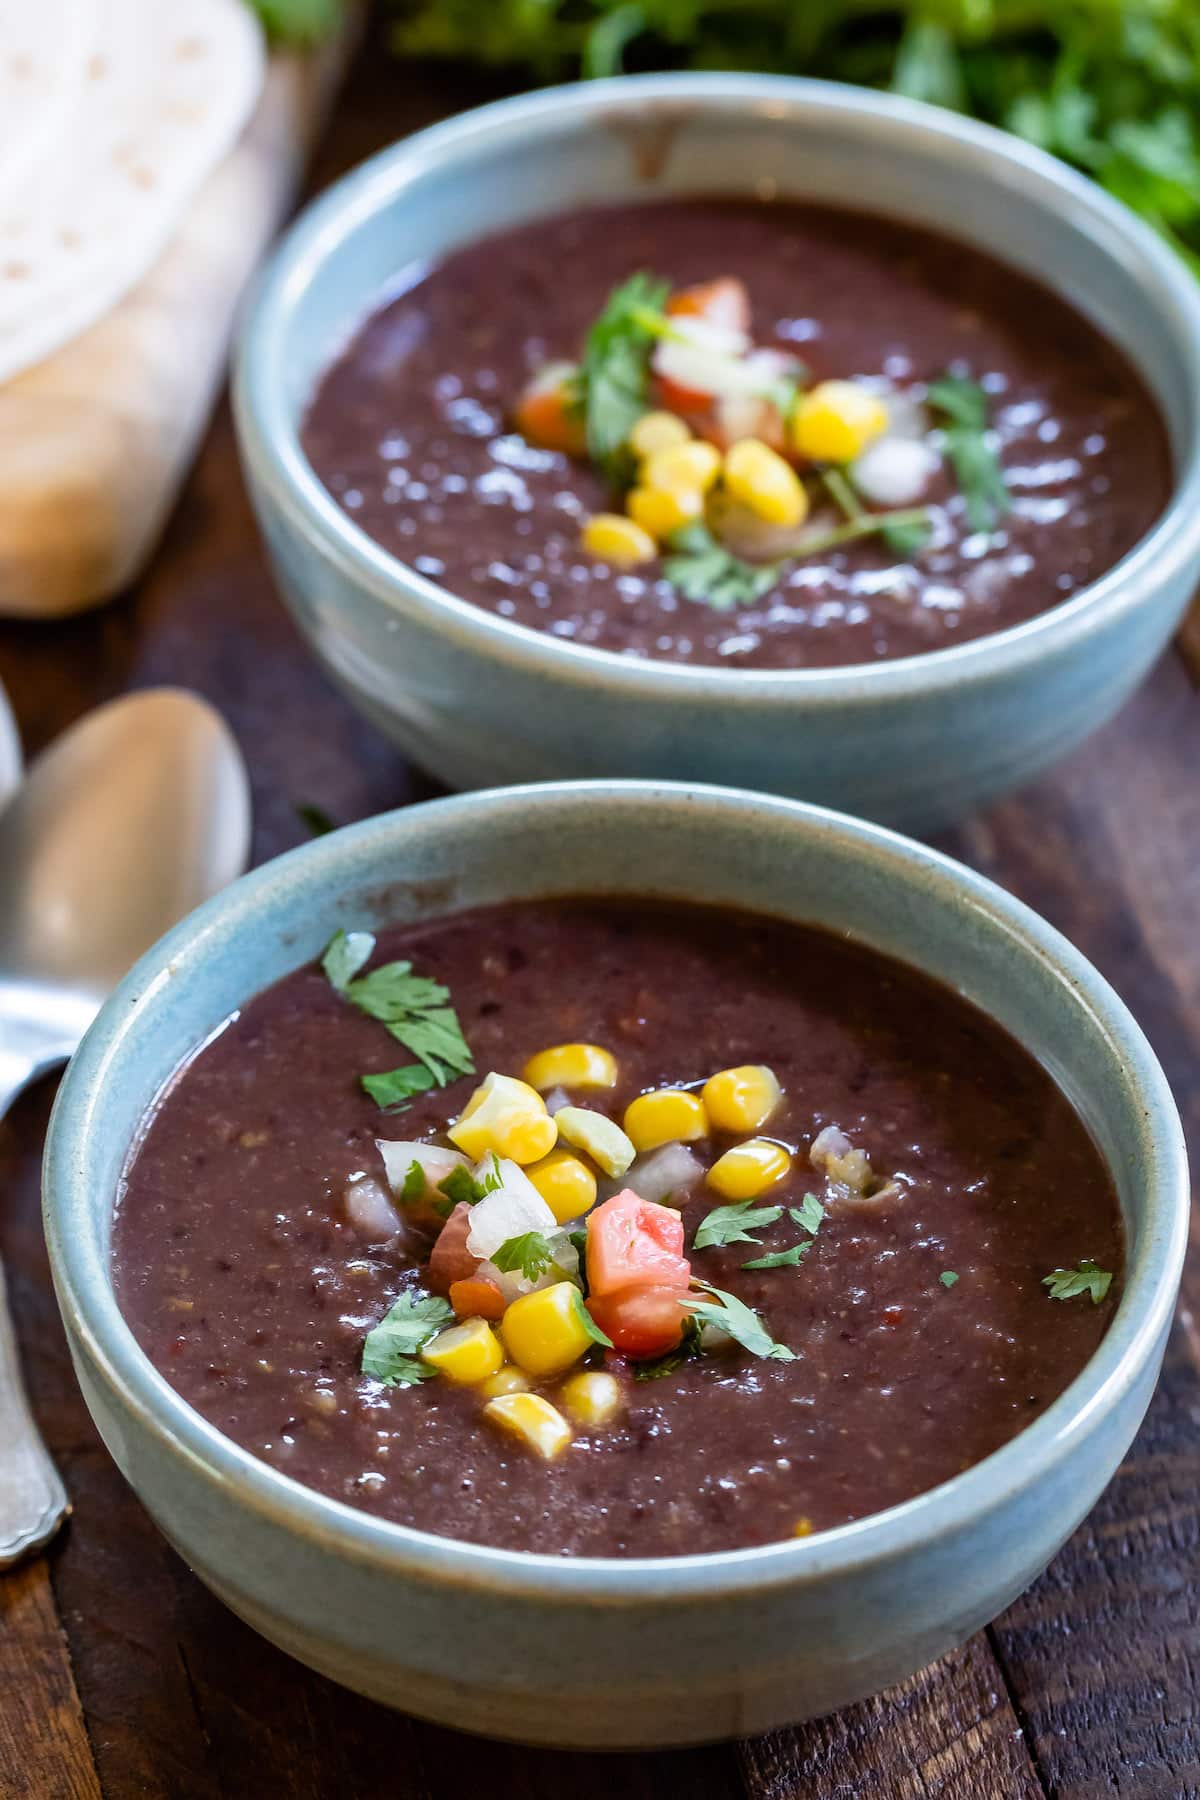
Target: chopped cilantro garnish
(412,1007)
(733,1316)
(460,1184)
(687,1347)
(779,1259)
(963,406)
(808,1214)
(390,1350)
(703,569)
(614,377)
(947,1278)
(589,1324)
(316,820)
(1066,1284)
(531,1253)
(734,1224)
(414,1183)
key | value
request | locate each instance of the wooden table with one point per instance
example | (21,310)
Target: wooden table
(120,1675)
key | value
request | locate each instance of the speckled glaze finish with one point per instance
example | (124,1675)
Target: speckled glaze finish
(640,1652)
(918,741)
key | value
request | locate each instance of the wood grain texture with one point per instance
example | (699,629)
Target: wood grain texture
(95,440)
(1088,1687)
(44,1748)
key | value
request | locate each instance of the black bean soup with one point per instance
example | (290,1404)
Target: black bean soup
(894,443)
(736,1230)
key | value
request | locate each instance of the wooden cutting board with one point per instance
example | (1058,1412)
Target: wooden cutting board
(95,441)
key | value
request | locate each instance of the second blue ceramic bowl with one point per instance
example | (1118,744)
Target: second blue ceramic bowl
(479,700)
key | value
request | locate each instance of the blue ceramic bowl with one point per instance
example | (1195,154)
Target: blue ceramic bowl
(916,742)
(604,1652)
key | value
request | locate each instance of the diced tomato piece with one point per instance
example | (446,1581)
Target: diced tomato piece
(641,1321)
(450,1260)
(633,1242)
(547,414)
(690,403)
(475,1297)
(723,302)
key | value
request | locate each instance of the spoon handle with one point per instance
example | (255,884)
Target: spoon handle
(33,1501)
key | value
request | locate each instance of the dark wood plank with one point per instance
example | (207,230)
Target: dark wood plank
(44,1747)
(950,1732)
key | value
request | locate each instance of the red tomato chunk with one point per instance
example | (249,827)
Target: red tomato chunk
(634,1243)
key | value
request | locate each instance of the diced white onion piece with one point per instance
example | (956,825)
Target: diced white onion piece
(829,1143)
(513,1284)
(399,1157)
(507,1212)
(895,471)
(672,1169)
(556,1099)
(369,1210)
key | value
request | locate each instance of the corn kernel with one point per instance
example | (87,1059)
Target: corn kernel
(507,1116)
(532,1419)
(465,1353)
(656,431)
(618,540)
(758,477)
(598,1135)
(566,1185)
(571,1066)
(660,511)
(667,1116)
(742,1099)
(692,465)
(836,421)
(508,1380)
(592,1397)
(802,1528)
(749,1169)
(548,1330)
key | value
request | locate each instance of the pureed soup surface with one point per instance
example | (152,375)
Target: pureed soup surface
(1042,464)
(254,1250)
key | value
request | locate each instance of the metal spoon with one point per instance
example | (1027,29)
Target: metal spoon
(126,823)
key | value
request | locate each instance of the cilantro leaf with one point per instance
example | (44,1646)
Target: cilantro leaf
(345,955)
(589,1324)
(704,570)
(740,1321)
(414,1184)
(1067,1284)
(947,1278)
(780,1259)
(615,372)
(530,1253)
(687,1347)
(460,1184)
(963,405)
(733,1224)
(396,1087)
(390,1350)
(808,1214)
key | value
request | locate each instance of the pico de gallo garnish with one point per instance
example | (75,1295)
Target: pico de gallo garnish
(731,462)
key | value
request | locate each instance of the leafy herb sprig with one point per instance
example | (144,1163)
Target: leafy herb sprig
(734,1224)
(961,407)
(742,1324)
(1068,1284)
(614,376)
(530,1255)
(390,1352)
(414,1009)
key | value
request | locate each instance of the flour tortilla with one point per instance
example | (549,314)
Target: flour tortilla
(44,48)
(167,87)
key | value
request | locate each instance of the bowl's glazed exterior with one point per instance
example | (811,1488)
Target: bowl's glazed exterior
(916,742)
(605,1652)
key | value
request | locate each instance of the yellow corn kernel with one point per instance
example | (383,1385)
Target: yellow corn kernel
(741,1099)
(507,1116)
(596,1134)
(592,1397)
(465,1353)
(749,1169)
(692,465)
(566,1185)
(836,421)
(532,1419)
(667,1116)
(656,431)
(660,511)
(571,1066)
(618,540)
(758,478)
(548,1330)
(802,1528)
(508,1380)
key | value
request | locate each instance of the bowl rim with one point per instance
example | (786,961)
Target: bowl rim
(270,441)
(86,1295)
